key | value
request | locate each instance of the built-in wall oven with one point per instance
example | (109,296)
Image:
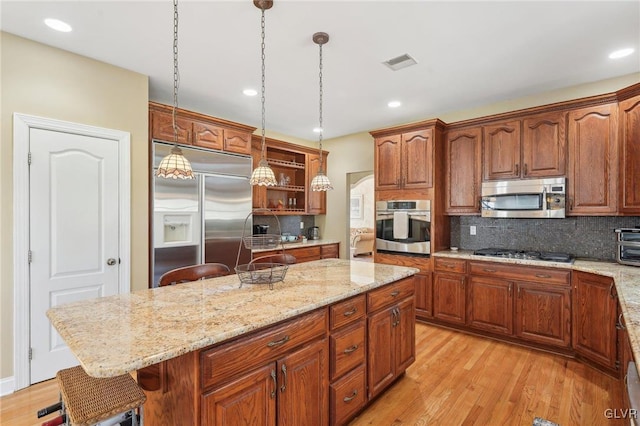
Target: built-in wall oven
(403,227)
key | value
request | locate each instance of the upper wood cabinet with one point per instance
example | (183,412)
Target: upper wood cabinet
(593,160)
(404,161)
(295,167)
(462,171)
(629,110)
(532,147)
(199,130)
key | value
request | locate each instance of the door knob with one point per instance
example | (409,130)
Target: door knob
(111,261)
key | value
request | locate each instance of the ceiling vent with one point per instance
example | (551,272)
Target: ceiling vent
(400,62)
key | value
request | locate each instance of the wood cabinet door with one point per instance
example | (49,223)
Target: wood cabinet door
(417,160)
(382,354)
(593,160)
(405,335)
(162,127)
(387,162)
(502,151)
(462,154)
(208,136)
(594,318)
(316,200)
(449,297)
(490,304)
(251,399)
(544,145)
(630,156)
(424,295)
(303,386)
(543,314)
(237,141)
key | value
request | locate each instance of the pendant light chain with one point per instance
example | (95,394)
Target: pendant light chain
(321,129)
(176,75)
(262,48)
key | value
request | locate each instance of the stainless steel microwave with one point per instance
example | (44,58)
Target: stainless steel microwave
(628,246)
(403,227)
(527,198)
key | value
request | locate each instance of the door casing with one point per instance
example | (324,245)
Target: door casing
(22,123)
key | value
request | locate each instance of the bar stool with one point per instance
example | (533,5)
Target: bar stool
(88,400)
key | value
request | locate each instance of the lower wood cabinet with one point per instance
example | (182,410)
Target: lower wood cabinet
(307,254)
(594,319)
(424,294)
(490,305)
(449,290)
(391,332)
(543,314)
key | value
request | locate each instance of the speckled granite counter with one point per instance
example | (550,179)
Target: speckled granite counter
(626,278)
(299,244)
(117,334)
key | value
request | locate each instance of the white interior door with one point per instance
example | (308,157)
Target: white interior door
(74,219)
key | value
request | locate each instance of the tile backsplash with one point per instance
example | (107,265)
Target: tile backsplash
(590,237)
(288,224)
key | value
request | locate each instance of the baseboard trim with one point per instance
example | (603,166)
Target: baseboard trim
(7,385)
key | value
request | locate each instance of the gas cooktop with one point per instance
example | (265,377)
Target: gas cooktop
(523,254)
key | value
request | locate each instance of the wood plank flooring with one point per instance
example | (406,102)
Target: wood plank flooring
(457,379)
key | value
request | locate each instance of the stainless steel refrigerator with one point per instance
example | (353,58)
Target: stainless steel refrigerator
(201,220)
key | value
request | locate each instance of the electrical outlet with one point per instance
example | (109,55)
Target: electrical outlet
(472,230)
(301,225)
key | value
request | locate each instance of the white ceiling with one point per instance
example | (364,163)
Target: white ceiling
(469,53)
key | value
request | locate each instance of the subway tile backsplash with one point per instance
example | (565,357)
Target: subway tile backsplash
(587,237)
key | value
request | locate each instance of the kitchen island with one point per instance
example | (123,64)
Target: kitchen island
(200,337)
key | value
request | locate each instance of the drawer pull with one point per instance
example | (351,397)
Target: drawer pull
(351,349)
(543,275)
(489,270)
(351,312)
(395,293)
(275,343)
(350,398)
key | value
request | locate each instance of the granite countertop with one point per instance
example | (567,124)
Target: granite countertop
(298,244)
(626,279)
(118,334)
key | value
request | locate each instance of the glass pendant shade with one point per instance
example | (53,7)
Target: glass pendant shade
(321,182)
(263,175)
(175,166)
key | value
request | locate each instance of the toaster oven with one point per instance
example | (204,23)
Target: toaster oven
(628,246)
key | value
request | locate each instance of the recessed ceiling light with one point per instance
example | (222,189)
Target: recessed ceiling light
(57,25)
(621,53)
(394,104)
(250,92)
(317,130)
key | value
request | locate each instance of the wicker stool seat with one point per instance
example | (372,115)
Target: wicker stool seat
(88,400)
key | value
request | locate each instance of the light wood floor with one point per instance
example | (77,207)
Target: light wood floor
(457,379)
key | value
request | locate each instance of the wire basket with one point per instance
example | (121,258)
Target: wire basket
(261,241)
(261,273)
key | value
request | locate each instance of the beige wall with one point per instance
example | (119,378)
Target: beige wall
(44,81)
(354,153)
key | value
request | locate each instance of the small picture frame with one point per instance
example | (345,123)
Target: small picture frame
(356,206)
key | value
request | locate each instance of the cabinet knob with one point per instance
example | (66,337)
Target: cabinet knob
(517,169)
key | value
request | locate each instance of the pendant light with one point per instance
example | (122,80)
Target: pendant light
(263,174)
(320,182)
(175,165)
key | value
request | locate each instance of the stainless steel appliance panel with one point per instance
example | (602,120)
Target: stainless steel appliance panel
(529,198)
(628,246)
(414,234)
(227,199)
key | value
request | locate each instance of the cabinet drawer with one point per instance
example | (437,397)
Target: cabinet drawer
(450,265)
(306,254)
(389,294)
(347,348)
(346,312)
(521,273)
(223,362)
(348,395)
(329,251)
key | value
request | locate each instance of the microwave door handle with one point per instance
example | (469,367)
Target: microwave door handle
(544,199)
